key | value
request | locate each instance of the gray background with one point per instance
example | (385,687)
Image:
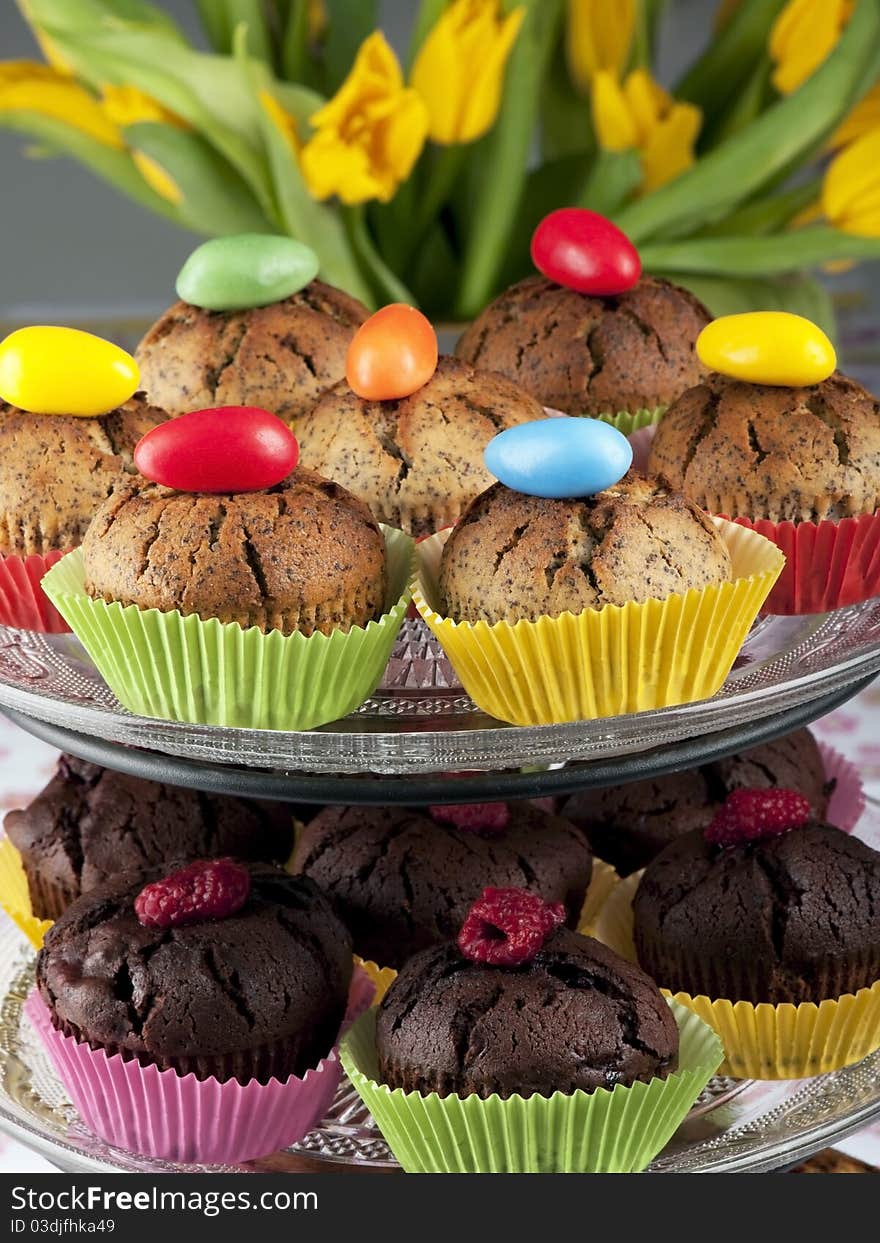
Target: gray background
(74,247)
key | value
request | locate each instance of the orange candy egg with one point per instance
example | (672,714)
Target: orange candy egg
(392,354)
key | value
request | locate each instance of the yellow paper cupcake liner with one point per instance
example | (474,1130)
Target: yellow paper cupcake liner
(15,898)
(602,883)
(180,668)
(607,1131)
(610,661)
(764,1041)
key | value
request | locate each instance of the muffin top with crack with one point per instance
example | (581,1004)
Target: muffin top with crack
(55,472)
(627,825)
(787,918)
(514,556)
(90,823)
(417,462)
(763,451)
(576,1017)
(403,878)
(589,355)
(280,357)
(243,996)
(304,555)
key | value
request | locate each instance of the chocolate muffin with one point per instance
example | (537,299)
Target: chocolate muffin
(258,994)
(575,1018)
(586,355)
(628,825)
(90,824)
(761,451)
(280,357)
(304,555)
(789,918)
(514,556)
(402,881)
(55,471)
(416,462)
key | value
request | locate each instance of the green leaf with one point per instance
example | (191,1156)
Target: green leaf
(748,103)
(730,56)
(799,293)
(767,214)
(213,17)
(296,62)
(349,23)
(113,165)
(566,122)
(739,167)
(759,256)
(611,181)
(648,16)
(251,13)
(502,157)
(388,287)
(430,279)
(316,224)
(215,199)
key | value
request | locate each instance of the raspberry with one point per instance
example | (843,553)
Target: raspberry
(487,819)
(206,889)
(752,815)
(506,927)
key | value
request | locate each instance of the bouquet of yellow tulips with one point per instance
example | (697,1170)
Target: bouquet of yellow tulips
(423,181)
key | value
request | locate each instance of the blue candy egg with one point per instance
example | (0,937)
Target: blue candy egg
(559,457)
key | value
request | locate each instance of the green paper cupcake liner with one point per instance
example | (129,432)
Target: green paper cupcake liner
(614,1132)
(627,421)
(215,673)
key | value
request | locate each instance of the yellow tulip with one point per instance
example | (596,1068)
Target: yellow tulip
(282,120)
(459,71)
(157,178)
(27,86)
(598,36)
(803,35)
(639,114)
(370,134)
(851,187)
(865,116)
(126,105)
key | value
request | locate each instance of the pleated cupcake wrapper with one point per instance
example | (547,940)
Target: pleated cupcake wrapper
(610,661)
(23,603)
(612,1131)
(172,1117)
(214,673)
(602,882)
(827,564)
(15,898)
(764,1041)
(629,421)
(847,802)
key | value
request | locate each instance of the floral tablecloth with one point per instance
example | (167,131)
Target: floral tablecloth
(854,730)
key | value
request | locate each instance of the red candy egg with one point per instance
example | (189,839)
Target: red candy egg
(584,251)
(392,354)
(227,449)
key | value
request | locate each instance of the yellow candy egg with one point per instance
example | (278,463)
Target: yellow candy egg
(767,347)
(64,371)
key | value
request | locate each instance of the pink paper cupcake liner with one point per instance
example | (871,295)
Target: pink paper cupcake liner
(158,1113)
(827,564)
(847,803)
(23,605)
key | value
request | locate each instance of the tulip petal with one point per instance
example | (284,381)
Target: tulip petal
(612,119)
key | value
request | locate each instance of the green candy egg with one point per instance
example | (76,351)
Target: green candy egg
(245,270)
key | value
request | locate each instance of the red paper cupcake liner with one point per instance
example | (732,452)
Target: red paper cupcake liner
(172,1117)
(827,564)
(23,604)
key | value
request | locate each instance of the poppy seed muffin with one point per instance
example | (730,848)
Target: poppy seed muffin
(55,471)
(258,994)
(304,555)
(90,824)
(402,881)
(280,357)
(586,355)
(790,918)
(762,451)
(627,825)
(575,1018)
(514,556)
(416,462)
